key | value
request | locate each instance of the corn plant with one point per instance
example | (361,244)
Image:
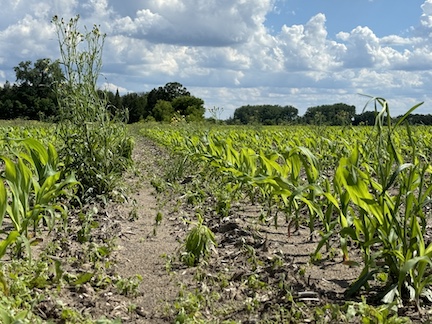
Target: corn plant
(35,185)
(388,221)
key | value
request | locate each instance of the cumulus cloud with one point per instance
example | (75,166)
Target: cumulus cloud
(426,17)
(363,49)
(306,46)
(222,51)
(113,87)
(193,22)
(25,38)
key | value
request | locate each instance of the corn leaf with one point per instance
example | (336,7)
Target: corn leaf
(3,201)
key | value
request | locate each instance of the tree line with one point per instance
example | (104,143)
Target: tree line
(32,96)
(338,114)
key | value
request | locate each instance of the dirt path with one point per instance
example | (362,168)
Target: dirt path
(140,249)
(140,253)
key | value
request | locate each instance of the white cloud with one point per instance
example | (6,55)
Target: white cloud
(25,38)
(194,22)
(222,51)
(113,87)
(395,40)
(307,47)
(426,17)
(363,49)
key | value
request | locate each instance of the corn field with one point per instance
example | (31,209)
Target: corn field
(362,191)
(368,188)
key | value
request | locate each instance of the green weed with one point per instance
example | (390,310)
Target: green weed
(199,243)
(95,144)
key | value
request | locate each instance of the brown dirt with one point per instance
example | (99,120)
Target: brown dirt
(142,248)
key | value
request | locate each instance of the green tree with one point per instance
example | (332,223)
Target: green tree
(117,100)
(189,106)
(418,119)
(163,111)
(336,114)
(135,104)
(32,96)
(7,101)
(365,118)
(114,101)
(265,114)
(181,103)
(43,75)
(168,92)
(246,114)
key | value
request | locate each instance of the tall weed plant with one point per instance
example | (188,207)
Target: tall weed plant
(96,145)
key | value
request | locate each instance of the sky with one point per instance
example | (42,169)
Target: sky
(232,53)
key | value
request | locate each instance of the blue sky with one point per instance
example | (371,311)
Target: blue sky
(234,52)
(384,17)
